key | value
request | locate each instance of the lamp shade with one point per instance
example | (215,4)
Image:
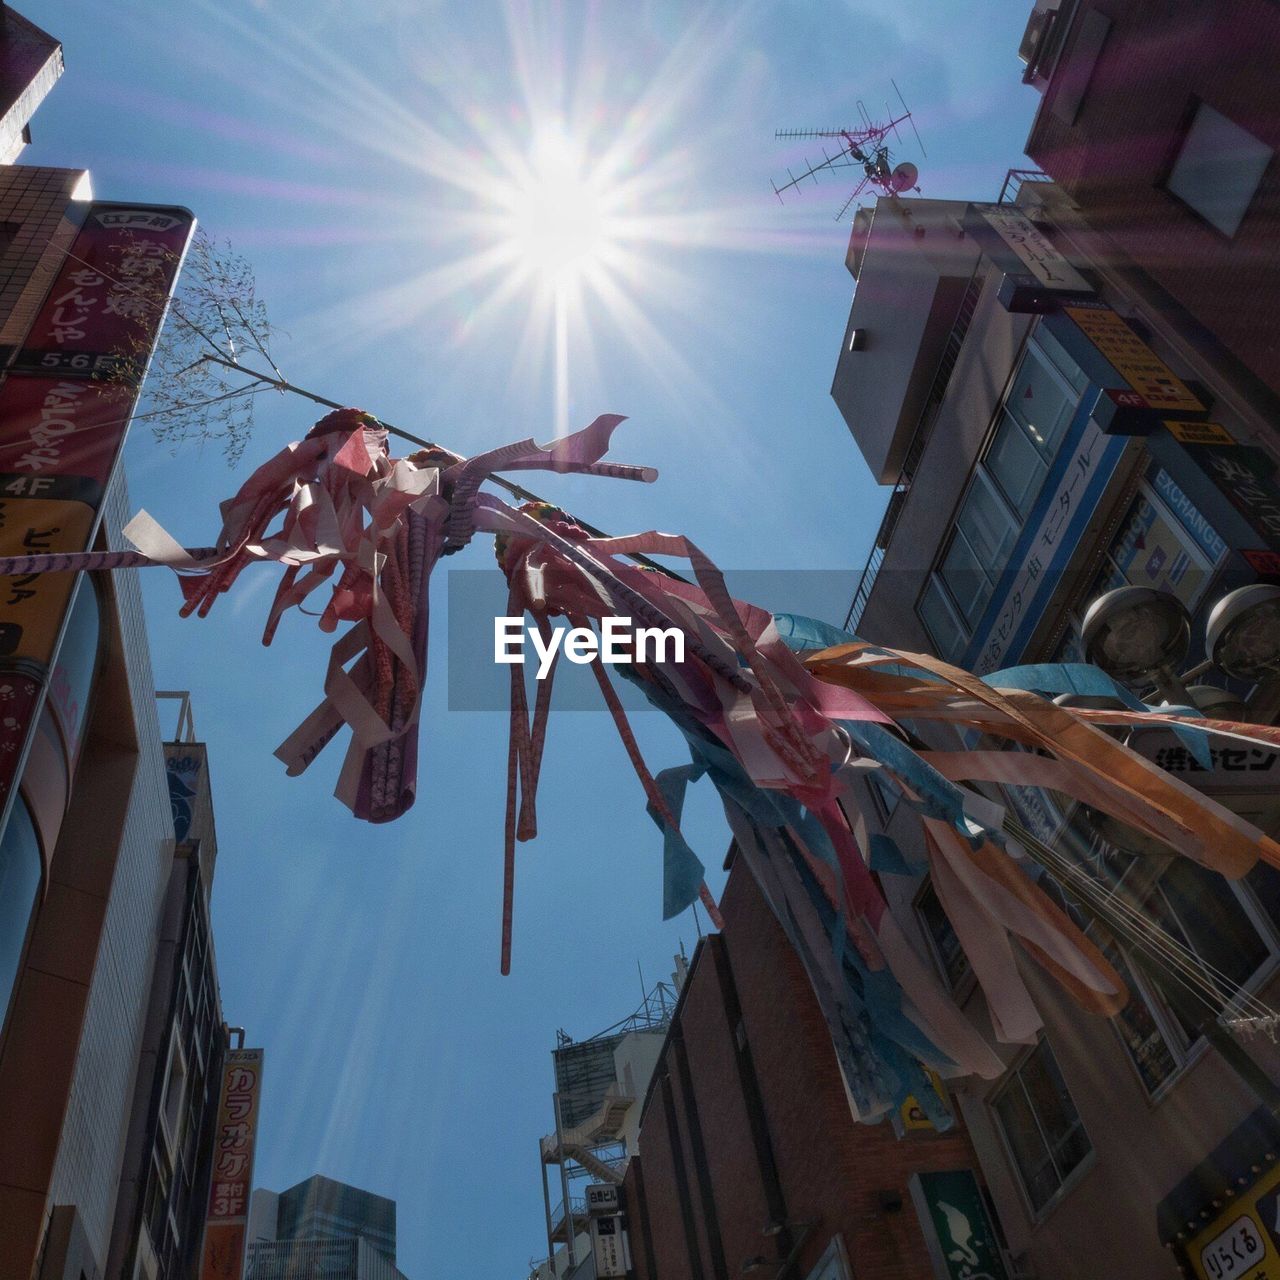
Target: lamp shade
(1136,633)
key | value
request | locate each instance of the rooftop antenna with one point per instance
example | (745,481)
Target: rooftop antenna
(866,147)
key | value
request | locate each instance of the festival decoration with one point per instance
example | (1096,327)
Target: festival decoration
(782,714)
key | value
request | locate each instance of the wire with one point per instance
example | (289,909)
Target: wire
(1184,965)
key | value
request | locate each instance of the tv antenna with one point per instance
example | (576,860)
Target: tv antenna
(864,147)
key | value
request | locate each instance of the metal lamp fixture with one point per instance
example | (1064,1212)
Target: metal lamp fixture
(1138,635)
(1142,636)
(1243,636)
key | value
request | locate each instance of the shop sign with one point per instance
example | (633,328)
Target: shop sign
(602,1197)
(1245,475)
(609,1245)
(63,430)
(1199,432)
(1265,563)
(1153,385)
(234,1140)
(1243,1241)
(1033,250)
(957,1229)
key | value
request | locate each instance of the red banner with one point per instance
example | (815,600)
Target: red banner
(234,1139)
(62,429)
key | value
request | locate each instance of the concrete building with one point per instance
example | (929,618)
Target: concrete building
(750,1160)
(321,1229)
(30,64)
(1159,122)
(86,833)
(600,1083)
(164,1184)
(1047,437)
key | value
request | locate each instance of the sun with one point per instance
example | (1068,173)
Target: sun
(558,225)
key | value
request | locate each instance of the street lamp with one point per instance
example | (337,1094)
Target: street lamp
(1141,636)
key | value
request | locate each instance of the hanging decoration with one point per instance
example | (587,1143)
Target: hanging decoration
(782,714)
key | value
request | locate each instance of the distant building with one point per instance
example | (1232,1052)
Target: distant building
(322,1229)
(600,1083)
(1049,433)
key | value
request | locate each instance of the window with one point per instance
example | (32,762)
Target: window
(942,937)
(1144,1030)
(175,1096)
(21,869)
(1218,168)
(1030,427)
(1041,1126)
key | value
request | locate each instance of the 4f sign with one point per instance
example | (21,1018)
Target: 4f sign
(617,642)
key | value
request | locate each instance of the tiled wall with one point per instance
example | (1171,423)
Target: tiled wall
(34,201)
(88,1165)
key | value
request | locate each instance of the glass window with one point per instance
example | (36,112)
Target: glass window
(1218,169)
(1016,465)
(73,673)
(946,946)
(1140,1030)
(1199,908)
(966,579)
(1041,1125)
(987,525)
(945,629)
(1040,403)
(21,869)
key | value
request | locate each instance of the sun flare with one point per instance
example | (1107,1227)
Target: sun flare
(559,227)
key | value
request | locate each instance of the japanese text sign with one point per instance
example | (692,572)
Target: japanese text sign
(232,1178)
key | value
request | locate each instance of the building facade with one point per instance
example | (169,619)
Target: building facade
(1159,124)
(87,851)
(164,1184)
(750,1159)
(1047,442)
(321,1229)
(600,1084)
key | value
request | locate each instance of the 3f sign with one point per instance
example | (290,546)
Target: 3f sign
(617,642)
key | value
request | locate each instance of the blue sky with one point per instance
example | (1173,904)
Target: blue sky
(361,156)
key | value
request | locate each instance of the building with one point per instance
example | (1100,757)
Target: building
(1159,125)
(1046,436)
(750,1160)
(164,1184)
(30,64)
(86,832)
(321,1230)
(600,1083)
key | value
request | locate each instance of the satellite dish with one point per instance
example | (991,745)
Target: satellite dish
(904,176)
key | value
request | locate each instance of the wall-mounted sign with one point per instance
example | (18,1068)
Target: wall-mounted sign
(1144,371)
(1243,1241)
(1199,432)
(61,431)
(602,1197)
(234,1140)
(610,1246)
(1245,476)
(962,1242)
(1037,276)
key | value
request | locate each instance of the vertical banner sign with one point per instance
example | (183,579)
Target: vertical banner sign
(232,1180)
(960,1237)
(65,405)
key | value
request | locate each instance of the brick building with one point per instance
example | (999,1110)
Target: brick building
(1002,383)
(749,1156)
(1159,120)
